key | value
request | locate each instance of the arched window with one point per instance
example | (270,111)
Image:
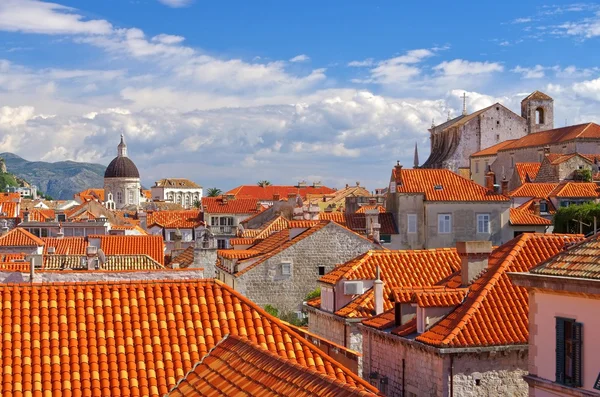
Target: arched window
(119,197)
(539,116)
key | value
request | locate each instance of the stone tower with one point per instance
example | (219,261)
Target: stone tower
(538,111)
(205,252)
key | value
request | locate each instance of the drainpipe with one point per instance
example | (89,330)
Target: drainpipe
(451,375)
(403,378)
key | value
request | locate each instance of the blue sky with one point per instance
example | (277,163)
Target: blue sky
(235,91)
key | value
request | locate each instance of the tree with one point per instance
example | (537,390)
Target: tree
(214,192)
(263,183)
(313,294)
(196,204)
(577,218)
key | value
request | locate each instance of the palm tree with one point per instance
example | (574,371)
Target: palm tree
(214,192)
(196,204)
(263,183)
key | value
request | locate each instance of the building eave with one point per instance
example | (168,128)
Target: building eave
(574,285)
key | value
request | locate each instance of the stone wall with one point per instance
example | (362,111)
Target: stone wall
(409,204)
(100,276)
(328,247)
(427,373)
(479,168)
(327,325)
(124,186)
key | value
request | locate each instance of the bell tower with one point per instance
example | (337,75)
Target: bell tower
(538,111)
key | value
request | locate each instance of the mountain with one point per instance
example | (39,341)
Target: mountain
(61,180)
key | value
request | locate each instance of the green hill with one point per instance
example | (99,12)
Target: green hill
(61,180)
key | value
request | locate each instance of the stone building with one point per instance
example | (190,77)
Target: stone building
(455,140)
(122,180)
(284,267)
(268,194)
(437,208)
(178,190)
(465,336)
(564,296)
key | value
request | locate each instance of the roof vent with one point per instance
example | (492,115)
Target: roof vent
(353,287)
(438,187)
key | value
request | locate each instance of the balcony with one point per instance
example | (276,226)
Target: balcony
(223,230)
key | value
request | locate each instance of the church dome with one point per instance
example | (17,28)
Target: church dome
(122,166)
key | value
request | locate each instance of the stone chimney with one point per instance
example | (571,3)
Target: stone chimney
(372,200)
(177,239)
(371,218)
(4,226)
(474,257)
(398,169)
(378,291)
(546,150)
(376,229)
(291,197)
(259,206)
(489,179)
(504,185)
(26,215)
(205,253)
(536,208)
(276,197)
(61,233)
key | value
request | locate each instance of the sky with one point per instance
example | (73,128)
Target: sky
(233,92)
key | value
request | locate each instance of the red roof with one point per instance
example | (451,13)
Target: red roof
(5,197)
(495,312)
(579,261)
(20,237)
(527,170)
(492,150)
(133,338)
(526,218)
(188,219)
(557,135)
(536,190)
(65,245)
(236,366)
(152,246)
(266,193)
(576,189)
(443,185)
(357,222)
(222,205)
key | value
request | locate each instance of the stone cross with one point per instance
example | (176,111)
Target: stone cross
(464,98)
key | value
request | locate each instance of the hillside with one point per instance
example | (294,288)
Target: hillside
(61,180)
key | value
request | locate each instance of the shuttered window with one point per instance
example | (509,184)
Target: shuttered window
(568,351)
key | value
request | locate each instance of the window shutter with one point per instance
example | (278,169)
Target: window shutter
(560,350)
(577,349)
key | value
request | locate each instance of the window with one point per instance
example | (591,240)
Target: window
(497,123)
(130,196)
(226,221)
(539,116)
(221,244)
(119,197)
(568,352)
(444,223)
(412,223)
(171,236)
(214,221)
(543,206)
(286,268)
(477,167)
(483,223)
(497,137)
(321,270)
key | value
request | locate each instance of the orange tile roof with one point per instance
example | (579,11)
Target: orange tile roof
(266,193)
(20,237)
(187,219)
(403,268)
(22,267)
(453,186)
(382,321)
(537,190)
(132,338)
(186,258)
(12,257)
(275,225)
(538,95)
(303,224)
(357,222)
(557,135)
(152,246)
(242,241)
(5,197)
(9,209)
(526,218)
(65,245)
(529,206)
(236,366)
(495,312)
(363,209)
(493,150)
(91,194)
(527,171)
(237,254)
(576,189)
(217,205)
(579,261)
(113,263)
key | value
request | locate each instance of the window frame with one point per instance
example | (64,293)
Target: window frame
(288,265)
(488,224)
(449,222)
(408,220)
(568,349)
(321,270)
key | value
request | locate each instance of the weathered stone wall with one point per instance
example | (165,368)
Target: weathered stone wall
(479,168)
(108,276)
(327,326)
(409,204)
(427,373)
(330,246)
(528,111)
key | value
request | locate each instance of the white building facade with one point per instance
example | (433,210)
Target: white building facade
(179,191)
(122,180)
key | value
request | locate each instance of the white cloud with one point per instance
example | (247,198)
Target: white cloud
(361,64)
(522,20)
(176,3)
(395,70)
(588,89)
(461,67)
(536,72)
(32,16)
(168,39)
(300,58)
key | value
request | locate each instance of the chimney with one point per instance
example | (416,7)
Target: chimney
(376,228)
(4,225)
(504,186)
(31,269)
(258,206)
(51,250)
(26,215)
(489,179)
(378,290)
(398,169)
(317,184)
(536,208)
(178,237)
(372,200)
(61,233)
(474,259)
(224,200)
(546,150)
(276,197)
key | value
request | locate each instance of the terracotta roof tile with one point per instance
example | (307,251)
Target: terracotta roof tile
(132,338)
(236,366)
(444,185)
(221,205)
(382,321)
(4,197)
(186,258)
(242,241)
(91,193)
(303,224)
(495,312)
(188,219)
(556,136)
(275,225)
(9,209)
(65,245)
(493,150)
(527,171)
(177,183)
(363,209)
(579,260)
(576,189)
(357,222)
(20,237)
(537,190)
(152,246)
(526,218)
(266,193)
(113,262)
(238,254)
(538,95)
